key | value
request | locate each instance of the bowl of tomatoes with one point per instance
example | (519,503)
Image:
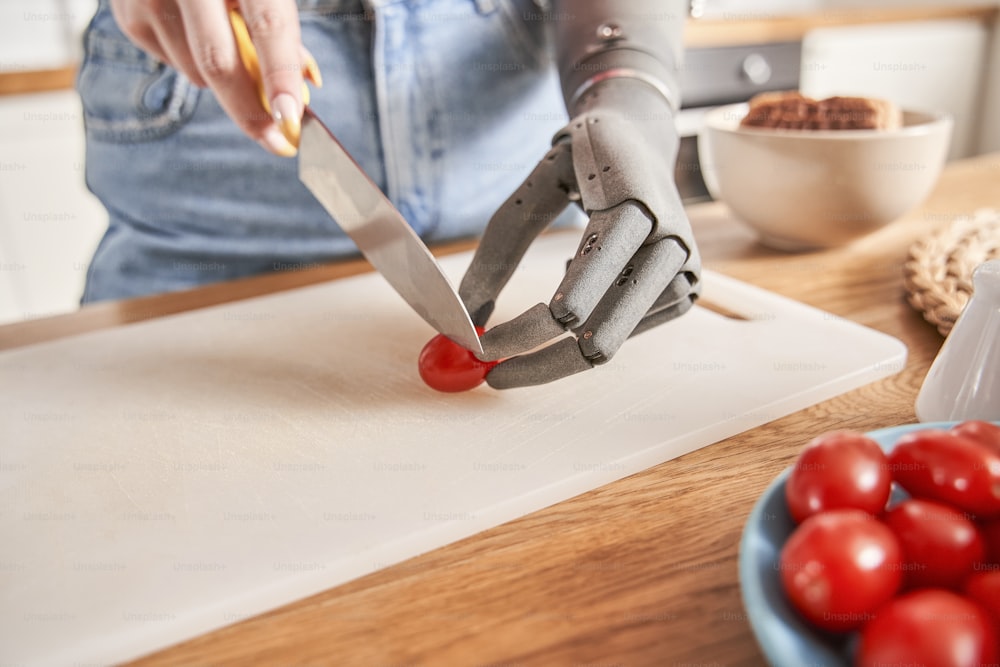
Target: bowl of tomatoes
(879,548)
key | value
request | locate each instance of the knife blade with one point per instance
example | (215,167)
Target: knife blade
(358,206)
(381,233)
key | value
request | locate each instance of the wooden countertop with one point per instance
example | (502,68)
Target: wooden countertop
(749,27)
(639,572)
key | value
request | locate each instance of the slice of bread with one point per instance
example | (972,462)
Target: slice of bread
(791,110)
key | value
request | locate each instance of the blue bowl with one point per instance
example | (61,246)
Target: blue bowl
(785,639)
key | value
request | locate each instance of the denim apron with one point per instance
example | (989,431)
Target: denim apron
(446,104)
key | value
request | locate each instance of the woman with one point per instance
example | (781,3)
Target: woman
(446,104)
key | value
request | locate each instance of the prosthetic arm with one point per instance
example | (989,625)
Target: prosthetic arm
(637,265)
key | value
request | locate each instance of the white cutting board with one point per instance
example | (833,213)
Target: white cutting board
(167,478)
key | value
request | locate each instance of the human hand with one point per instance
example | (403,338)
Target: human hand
(195,37)
(637,265)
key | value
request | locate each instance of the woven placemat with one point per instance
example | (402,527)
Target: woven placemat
(938,270)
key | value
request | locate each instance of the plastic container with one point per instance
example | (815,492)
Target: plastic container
(964,380)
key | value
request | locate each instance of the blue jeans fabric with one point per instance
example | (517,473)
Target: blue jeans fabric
(446,104)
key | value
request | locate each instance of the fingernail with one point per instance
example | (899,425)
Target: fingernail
(312,72)
(288,116)
(274,141)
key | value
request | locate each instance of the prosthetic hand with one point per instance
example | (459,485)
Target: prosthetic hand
(637,265)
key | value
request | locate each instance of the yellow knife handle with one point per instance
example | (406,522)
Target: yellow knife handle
(248,54)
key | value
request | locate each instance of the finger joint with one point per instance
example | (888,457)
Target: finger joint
(214,61)
(266,22)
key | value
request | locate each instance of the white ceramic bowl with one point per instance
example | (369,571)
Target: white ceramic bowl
(807,189)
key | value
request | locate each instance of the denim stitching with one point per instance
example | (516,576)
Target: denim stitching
(112,48)
(183,99)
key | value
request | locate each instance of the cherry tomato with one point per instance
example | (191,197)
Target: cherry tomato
(940,544)
(838,567)
(991,536)
(928,627)
(839,470)
(984,588)
(447,366)
(940,465)
(982,432)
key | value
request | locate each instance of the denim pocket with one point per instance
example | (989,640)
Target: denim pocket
(127,95)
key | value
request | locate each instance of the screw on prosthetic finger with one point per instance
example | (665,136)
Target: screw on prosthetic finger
(610,240)
(530,329)
(629,299)
(512,229)
(559,360)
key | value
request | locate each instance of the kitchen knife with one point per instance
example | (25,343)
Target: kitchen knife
(381,232)
(365,214)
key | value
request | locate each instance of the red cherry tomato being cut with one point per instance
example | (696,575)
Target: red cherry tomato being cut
(447,366)
(941,546)
(839,566)
(940,465)
(928,627)
(839,470)
(982,432)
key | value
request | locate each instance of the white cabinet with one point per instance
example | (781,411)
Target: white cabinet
(929,66)
(49,222)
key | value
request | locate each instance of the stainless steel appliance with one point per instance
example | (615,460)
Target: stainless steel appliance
(716,76)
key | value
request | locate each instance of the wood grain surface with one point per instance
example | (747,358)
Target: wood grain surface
(36,81)
(640,572)
(760,27)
